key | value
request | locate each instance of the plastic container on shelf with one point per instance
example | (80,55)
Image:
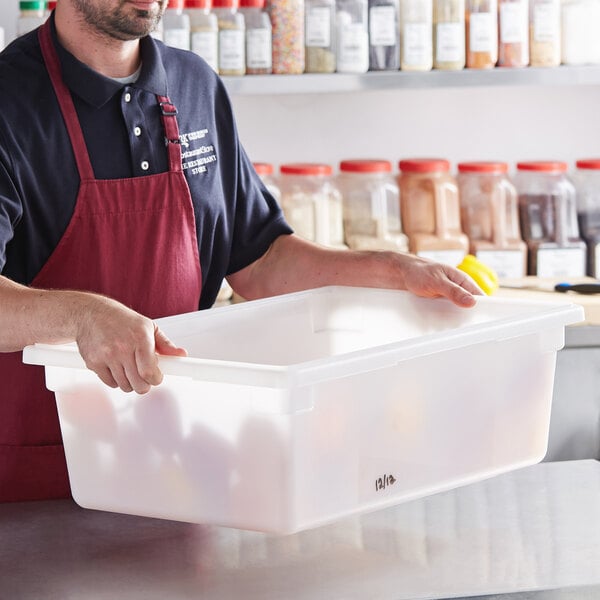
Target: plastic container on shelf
(297,410)
(176,25)
(266,173)
(580,24)
(31,15)
(430,210)
(481,33)
(259,50)
(384,35)
(587,185)
(319,36)
(50,6)
(287,22)
(490,217)
(371,206)
(204,31)
(232,37)
(416,47)
(548,217)
(312,203)
(449,34)
(352,36)
(544,33)
(513,32)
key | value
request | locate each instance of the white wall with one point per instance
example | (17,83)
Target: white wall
(9,12)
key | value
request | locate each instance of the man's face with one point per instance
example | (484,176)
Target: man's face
(122,19)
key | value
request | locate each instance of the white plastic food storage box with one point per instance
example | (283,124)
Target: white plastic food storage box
(297,410)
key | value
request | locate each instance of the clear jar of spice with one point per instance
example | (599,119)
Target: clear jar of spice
(544,33)
(259,55)
(319,36)
(490,217)
(311,203)
(31,15)
(265,172)
(352,36)
(176,25)
(384,35)
(204,31)
(430,210)
(513,30)
(232,37)
(449,34)
(371,206)
(587,185)
(416,22)
(287,22)
(481,33)
(548,218)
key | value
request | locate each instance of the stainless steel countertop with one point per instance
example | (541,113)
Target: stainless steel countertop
(531,534)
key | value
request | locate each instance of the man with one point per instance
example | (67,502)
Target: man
(105,224)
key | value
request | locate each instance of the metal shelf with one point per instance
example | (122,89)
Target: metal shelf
(311,83)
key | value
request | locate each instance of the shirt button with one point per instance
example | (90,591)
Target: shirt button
(137,131)
(127,97)
(145,166)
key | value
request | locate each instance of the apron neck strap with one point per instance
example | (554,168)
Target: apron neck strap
(169,120)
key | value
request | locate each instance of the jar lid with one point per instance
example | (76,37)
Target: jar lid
(546,166)
(225,3)
(367,165)
(252,3)
(32,4)
(263,168)
(306,169)
(51,4)
(198,4)
(588,163)
(483,167)
(175,4)
(424,165)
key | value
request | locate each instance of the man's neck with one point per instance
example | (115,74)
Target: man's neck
(102,53)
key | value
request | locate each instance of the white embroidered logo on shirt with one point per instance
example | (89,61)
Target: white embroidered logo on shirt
(196,159)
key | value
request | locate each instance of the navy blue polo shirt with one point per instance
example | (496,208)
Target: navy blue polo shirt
(236,217)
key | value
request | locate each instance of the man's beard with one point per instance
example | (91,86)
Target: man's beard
(123,23)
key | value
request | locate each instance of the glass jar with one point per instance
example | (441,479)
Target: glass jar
(352,36)
(548,218)
(481,33)
(384,35)
(287,22)
(31,16)
(490,217)
(513,31)
(416,22)
(311,203)
(204,31)
(265,172)
(232,37)
(430,210)
(371,206)
(319,36)
(259,56)
(176,26)
(587,185)
(544,33)
(449,34)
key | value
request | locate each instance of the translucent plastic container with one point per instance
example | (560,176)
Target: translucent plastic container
(416,45)
(580,24)
(176,26)
(232,37)
(548,217)
(490,217)
(449,34)
(266,173)
(513,32)
(312,203)
(352,36)
(384,35)
(587,184)
(297,410)
(259,51)
(544,33)
(287,21)
(319,36)
(430,210)
(31,15)
(481,33)
(371,206)
(204,31)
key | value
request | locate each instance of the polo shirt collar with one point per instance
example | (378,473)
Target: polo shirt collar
(96,89)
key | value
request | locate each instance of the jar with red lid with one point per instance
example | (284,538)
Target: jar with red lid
(204,31)
(311,203)
(548,218)
(490,217)
(371,206)
(232,37)
(587,185)
(430,210)
(266,173)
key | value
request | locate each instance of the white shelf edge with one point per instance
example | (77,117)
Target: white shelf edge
(311,83)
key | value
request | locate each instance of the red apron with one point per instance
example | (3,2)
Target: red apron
(131,239)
